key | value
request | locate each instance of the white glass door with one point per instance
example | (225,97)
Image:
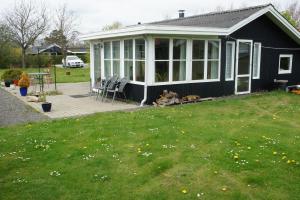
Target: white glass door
(243,67)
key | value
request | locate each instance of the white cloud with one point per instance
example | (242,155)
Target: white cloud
(94,14)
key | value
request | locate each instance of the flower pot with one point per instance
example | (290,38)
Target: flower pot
(7,83)
(46,106)
(16,82)
(23,91)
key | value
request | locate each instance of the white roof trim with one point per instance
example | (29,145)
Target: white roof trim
(188,30)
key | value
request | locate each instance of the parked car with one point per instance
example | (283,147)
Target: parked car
(72,61)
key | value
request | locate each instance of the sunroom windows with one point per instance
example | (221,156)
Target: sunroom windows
(206,60)
(125,57)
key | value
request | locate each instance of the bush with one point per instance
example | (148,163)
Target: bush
(11,74)
(24,81)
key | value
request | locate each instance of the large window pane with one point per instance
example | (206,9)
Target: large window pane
(128,49)
(139,49)
(128,69)
(244,58)
(256,60)
(161,71)
(161,49)
(140,71)
(242,84)
(213,49)
(116,67)
(116,49)
(229,61)
(179,49)
(179,70)
(198,70)
(198,49)
(107,52)
(212,69)
(107,68)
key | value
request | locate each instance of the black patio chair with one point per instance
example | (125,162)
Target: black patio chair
(110,86)
(101,90)
(120,88)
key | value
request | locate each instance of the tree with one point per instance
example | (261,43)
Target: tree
(64,32)
(113,26)
(292,14)
(26,21)
(5,45)
(288,16)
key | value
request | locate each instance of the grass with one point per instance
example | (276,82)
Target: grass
(242,148)
(77,74)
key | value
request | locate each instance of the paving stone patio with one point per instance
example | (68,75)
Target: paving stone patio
(74,101)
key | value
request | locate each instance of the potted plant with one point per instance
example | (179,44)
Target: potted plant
(11,76)
(24,83)
(15,76)
(46,106)
(6,77)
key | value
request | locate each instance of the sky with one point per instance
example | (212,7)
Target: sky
(92,15)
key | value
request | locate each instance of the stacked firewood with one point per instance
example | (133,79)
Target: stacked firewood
(167,98)
(171,98)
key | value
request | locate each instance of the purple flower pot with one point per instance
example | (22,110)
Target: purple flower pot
(23,91)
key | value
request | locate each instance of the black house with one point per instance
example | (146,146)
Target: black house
(215,54)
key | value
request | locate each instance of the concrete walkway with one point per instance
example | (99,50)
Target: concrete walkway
(74,101)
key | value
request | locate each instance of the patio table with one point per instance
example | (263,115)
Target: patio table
(40,77)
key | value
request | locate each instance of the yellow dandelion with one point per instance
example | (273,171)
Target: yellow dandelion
(184,191)
(216,172)
(288,162)
(236,157)
(224,189)
(283,157)
(249,148)
(274,153)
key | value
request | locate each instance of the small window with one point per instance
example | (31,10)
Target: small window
(285,64)
(256,60)
(230,52)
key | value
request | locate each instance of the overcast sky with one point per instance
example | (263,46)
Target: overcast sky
(94,14)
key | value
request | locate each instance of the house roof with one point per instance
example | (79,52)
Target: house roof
(211,24)
(223,19)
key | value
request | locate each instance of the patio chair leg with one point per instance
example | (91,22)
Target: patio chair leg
(106,96)
(113,97)
(98,93)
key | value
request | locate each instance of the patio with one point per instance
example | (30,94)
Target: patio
(74,101)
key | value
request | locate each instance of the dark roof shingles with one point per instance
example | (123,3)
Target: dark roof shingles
(225,19)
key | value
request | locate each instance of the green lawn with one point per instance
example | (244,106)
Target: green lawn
(77,74)
(240,148)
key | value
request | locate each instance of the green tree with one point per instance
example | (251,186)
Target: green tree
(113,26)
(287,15)
(5,46)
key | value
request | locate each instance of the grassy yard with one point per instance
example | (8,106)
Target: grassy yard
(77,74)
(241,148)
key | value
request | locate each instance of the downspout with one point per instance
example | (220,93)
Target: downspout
(146,72)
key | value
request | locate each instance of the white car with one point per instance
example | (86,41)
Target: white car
(73,61)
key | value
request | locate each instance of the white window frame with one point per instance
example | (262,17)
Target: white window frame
(176,60)
(115,59)
(122,59)
(169,61)
(258,60)
(206,60)
(138,60)
(232,61)
(128,59)
(290,65)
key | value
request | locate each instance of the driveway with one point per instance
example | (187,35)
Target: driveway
(14,111)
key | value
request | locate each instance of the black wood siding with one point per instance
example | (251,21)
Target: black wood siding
(270,35)
(260,30)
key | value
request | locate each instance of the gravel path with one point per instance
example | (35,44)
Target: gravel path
(14,111)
